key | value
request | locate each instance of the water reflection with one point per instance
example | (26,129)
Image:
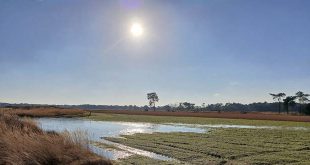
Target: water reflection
(237,126)
(98,129)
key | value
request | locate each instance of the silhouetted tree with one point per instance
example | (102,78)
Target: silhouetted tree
(289,101)
(146,108)
(307,109)
(278,97)
(167,108)
(302,98)
(153,98)
(203,105)
(187,106)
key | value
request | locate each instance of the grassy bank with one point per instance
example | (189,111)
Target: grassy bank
(22,142)
(193,120)
(227,146)
(45,112)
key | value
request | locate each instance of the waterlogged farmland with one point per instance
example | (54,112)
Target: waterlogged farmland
(227,146)
(97,130)
(176,143)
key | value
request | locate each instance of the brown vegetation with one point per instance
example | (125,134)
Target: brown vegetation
(22,142)
(46,112)
(228,115)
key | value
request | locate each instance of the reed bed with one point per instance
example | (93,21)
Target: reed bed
(23,142)
(47,112)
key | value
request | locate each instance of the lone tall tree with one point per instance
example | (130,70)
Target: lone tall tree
(302,98)
(278,97)
(289,101)
(153,98)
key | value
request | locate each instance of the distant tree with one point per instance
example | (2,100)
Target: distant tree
(153,98)
(203,105)
(219,107)
(215,107)
(289,101)
(174,107)
(167,108)
(146,108)
(278,97)
(187,105)
(307,109)
(302,98)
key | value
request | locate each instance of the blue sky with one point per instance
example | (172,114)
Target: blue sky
(81,51)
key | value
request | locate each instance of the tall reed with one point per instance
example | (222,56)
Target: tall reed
(23,142)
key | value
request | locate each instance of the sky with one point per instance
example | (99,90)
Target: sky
(200,51)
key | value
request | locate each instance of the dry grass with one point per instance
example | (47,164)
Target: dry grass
(22,142)
(226,115)
(47,112)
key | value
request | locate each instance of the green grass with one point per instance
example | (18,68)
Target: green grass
(193,120)
(142,160)
(231,146)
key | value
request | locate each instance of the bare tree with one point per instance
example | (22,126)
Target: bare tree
(153,98)
(278,97)
(302,98)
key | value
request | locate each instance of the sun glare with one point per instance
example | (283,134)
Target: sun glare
(136,30)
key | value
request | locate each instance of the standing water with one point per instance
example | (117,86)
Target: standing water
(98,129)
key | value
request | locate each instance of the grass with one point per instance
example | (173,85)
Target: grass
(193,120)
(227,146)
(142,160)
(46,112)
(23,142)
(219,146)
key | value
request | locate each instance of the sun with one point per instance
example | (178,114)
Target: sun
(136,30)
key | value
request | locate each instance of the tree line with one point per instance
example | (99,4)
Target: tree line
(290,101)
(298,103)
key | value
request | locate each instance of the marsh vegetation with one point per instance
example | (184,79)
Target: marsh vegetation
(227,146)
(41,111)
(23,142)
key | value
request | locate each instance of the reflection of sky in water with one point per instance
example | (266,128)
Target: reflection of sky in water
(111,154)
(237,126)
(98,129)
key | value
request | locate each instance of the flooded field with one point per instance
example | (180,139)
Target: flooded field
(141,142)
(97,130)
